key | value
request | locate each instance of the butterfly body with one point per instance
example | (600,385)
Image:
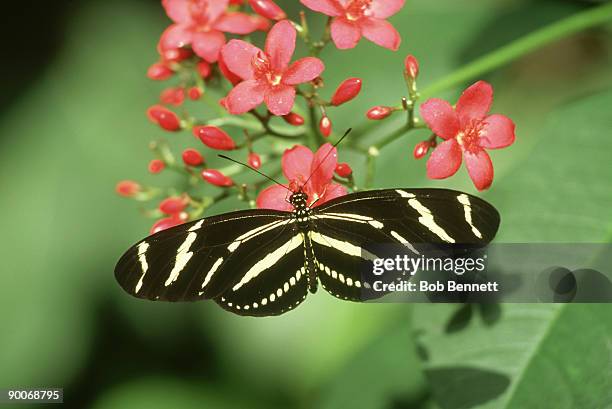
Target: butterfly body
(265,262)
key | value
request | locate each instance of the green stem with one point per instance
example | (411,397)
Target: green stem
(523,46)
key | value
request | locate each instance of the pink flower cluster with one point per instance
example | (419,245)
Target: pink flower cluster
(207,50)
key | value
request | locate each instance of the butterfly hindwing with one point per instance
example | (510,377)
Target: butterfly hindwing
(271,280)
(195,260)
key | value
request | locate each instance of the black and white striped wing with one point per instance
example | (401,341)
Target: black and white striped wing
(349,231)
(276,283)
(201,259)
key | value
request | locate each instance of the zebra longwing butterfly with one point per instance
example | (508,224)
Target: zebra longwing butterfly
(264,262)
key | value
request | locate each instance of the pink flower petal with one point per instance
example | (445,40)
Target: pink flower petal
(380,32)
(280,44)
(332,191)
(344,33)
(479,168)
(475,102)
(236,23)
(280,99)
(237,56)
(274,197)
(440,117)
(208,44)
(328,7)
(215,8)
(296,163)
(444,160)
(177,10)
(175,36)
(385,8)
(498,132)
(323,166)
(244,97)
(303,70)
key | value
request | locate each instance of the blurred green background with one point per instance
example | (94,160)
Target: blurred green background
(72,124)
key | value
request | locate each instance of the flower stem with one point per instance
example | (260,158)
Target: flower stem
(523,46)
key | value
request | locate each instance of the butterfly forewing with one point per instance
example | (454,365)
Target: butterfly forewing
(353,229)
(196,260)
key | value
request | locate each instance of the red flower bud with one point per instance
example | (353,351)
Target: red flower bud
(176,54)
(214,177)
(204,69)
(236,2)
(159,72)
(379,112)
(172,96)
(293,119)
(191,157)
(173,205)
(214,137)
(127,188)
(411,65)
(230,76)
(421,149)
(222,102)
(164,118)
(156,166)
(343,170)
(194,93)
(268,9)
(325,126)
(166,223)
(261,23)
(254,160)
(347,90)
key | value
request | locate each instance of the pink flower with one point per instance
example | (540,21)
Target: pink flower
(298,164)
(468,131)
(201,23)
(267,76)
(356,18)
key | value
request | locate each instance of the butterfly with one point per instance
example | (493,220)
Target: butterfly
(265,262)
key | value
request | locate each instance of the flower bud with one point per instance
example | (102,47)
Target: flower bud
(379,112)
(166,223)
(194,93)
(214,137)
(325,126)
(159,72)
(293,119)
(173,205)
(214,177)
(156,166)
(127,188)
(192,157)
(165,118)
(204,69)
(268,9)
(172,96)
(347,90)
(260,23)
(411,66)
(421,149)
(343,170)
(175,54)
(254,160)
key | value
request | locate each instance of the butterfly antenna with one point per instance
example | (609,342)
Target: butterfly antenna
(255,170)
(348,131)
